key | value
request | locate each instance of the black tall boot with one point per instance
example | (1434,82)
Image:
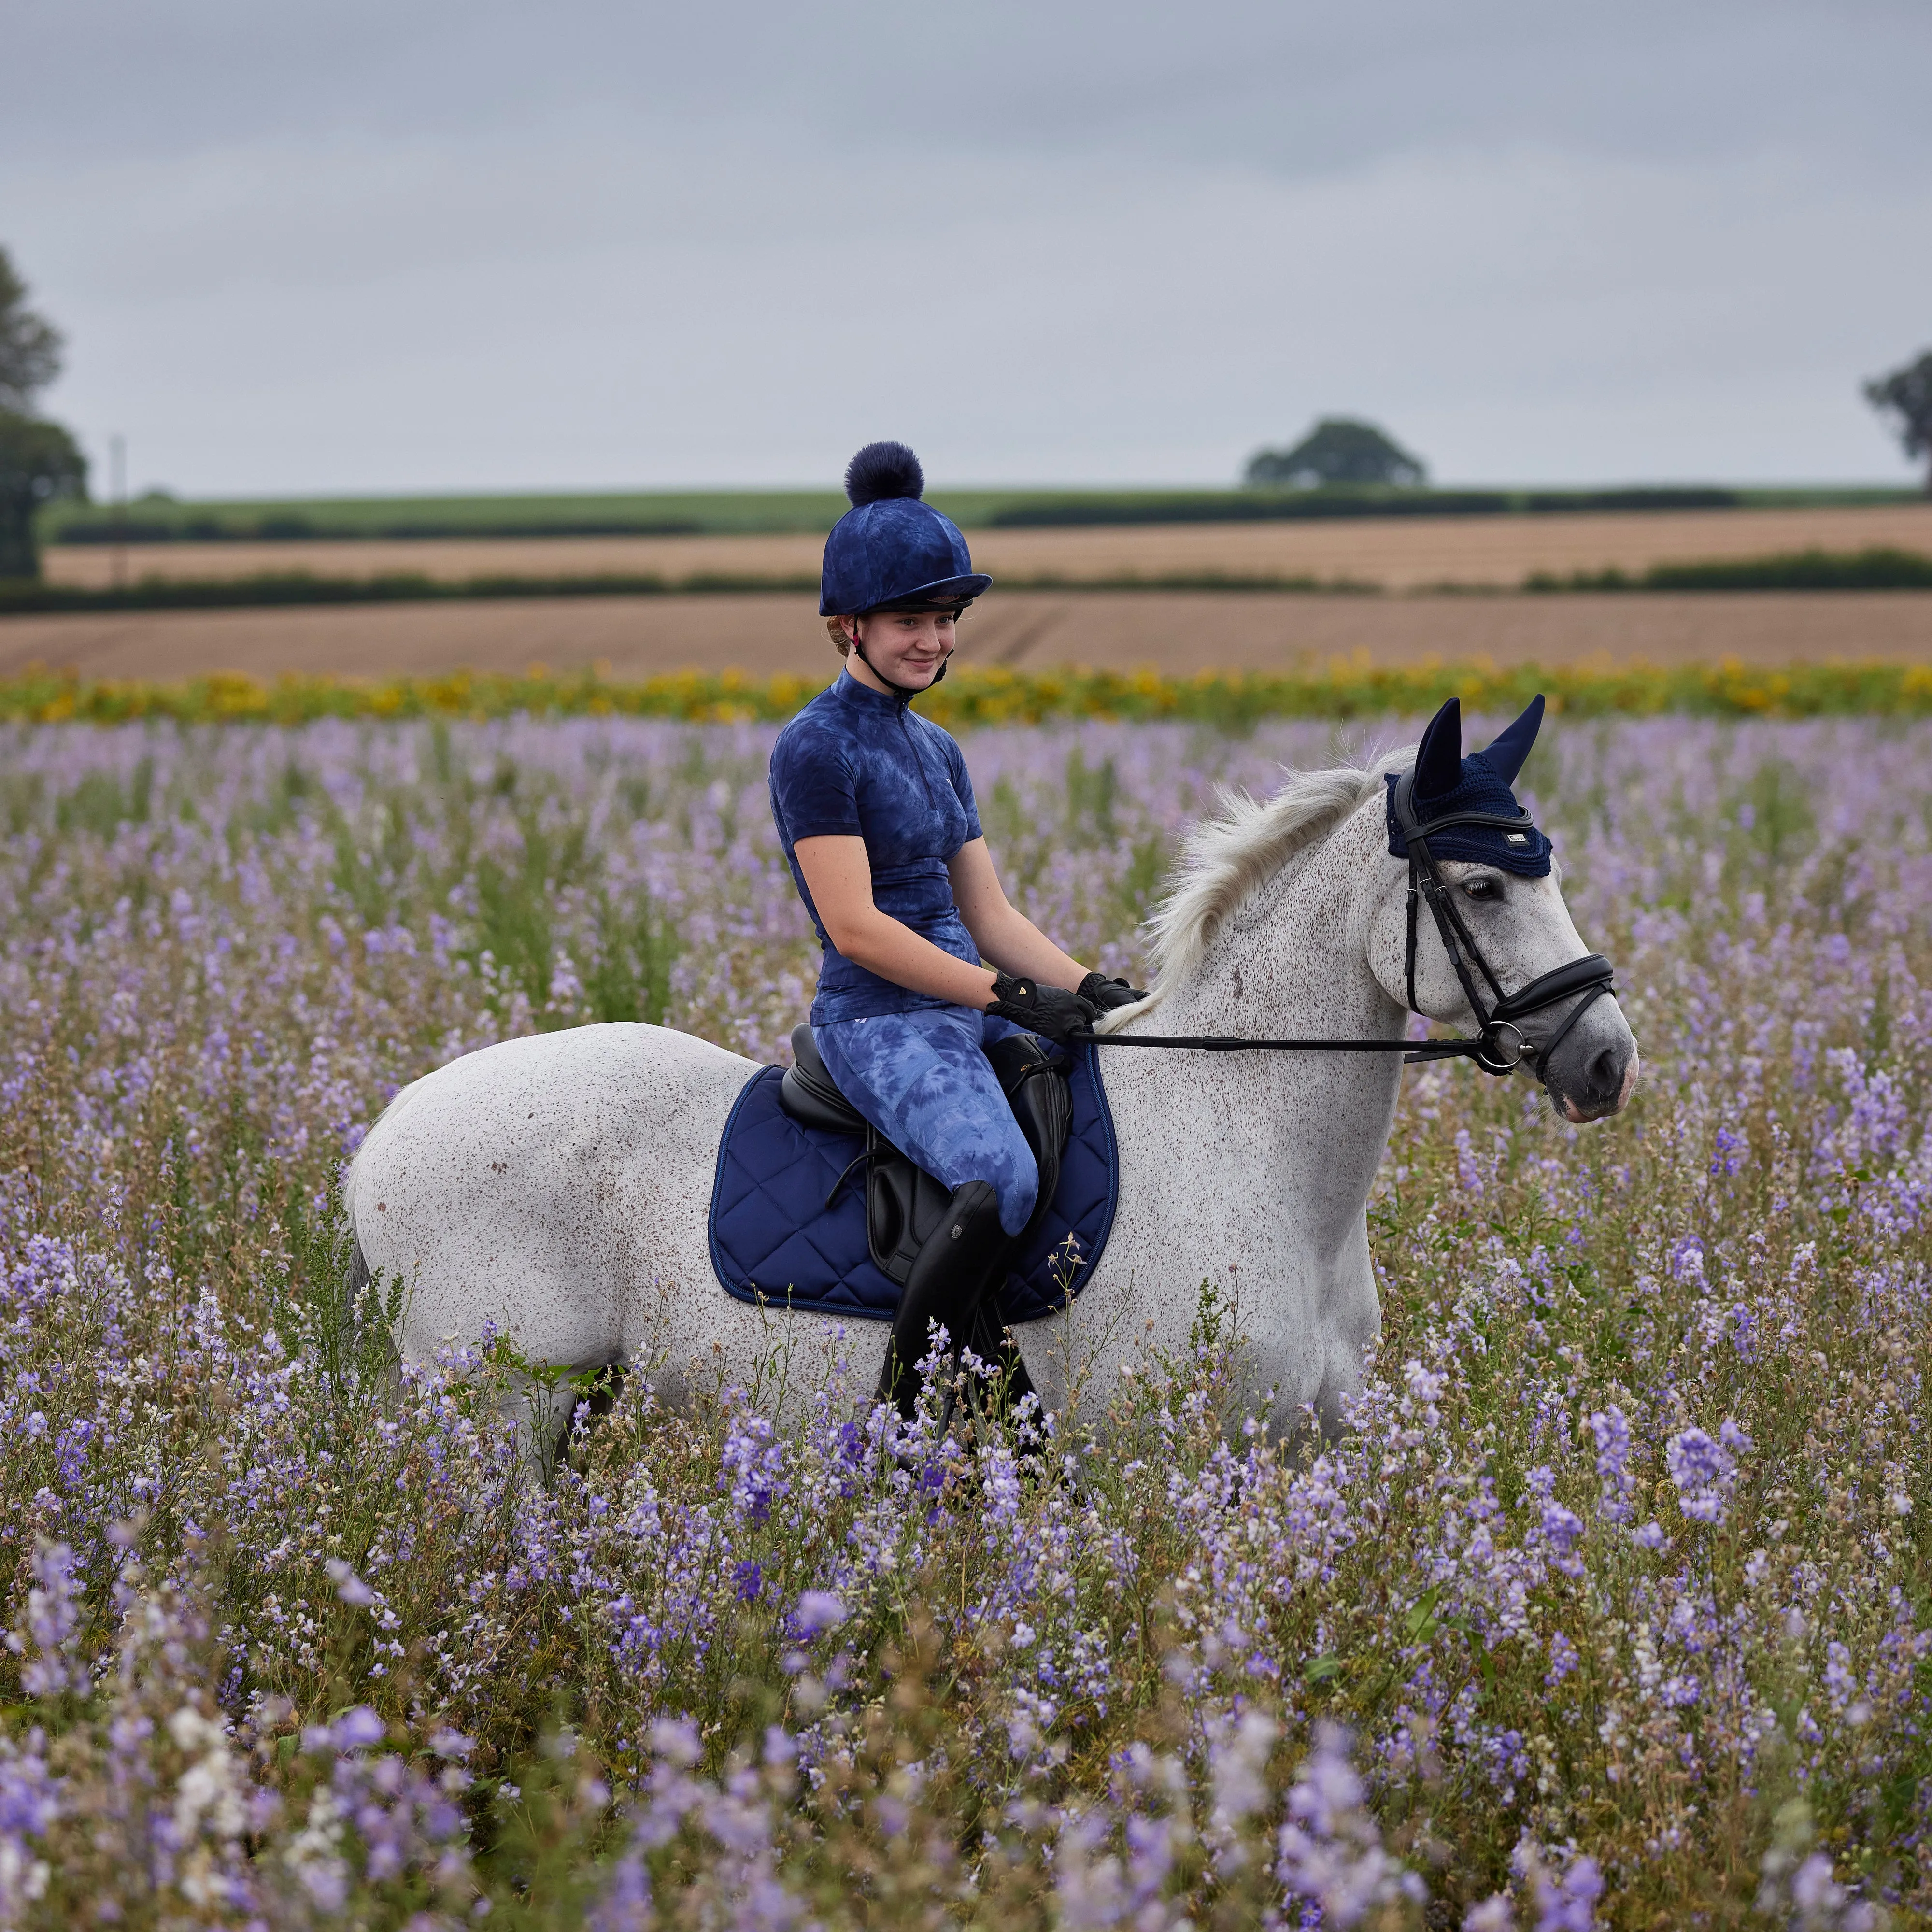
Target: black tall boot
(990,1340)
(947,1280)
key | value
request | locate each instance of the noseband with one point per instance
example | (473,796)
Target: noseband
(1497,1015)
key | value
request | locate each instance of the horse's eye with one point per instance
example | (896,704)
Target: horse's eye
(1483,889)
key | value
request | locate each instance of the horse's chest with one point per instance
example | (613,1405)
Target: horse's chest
(1269,1169)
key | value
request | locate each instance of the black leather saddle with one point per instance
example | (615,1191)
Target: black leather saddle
(903,1204)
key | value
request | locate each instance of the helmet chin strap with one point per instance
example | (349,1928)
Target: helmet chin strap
(904,693)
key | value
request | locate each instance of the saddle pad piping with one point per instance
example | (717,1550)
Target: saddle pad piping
(717,1264)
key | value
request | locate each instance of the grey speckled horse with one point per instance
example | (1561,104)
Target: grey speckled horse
(558,1186)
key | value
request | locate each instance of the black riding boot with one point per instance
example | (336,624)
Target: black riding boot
(947,1279)
(990,1340)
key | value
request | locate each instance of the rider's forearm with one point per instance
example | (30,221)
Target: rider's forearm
(1011,941)
(890,948)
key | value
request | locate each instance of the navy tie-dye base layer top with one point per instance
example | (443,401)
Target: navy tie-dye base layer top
(857,763)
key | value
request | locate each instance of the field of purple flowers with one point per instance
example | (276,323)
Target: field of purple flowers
(1615,1607)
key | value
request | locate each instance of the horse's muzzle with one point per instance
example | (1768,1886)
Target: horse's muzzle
(1593,1071)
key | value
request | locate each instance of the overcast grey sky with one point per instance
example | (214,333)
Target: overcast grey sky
(390,244)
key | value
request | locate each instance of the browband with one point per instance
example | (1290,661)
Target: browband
(1412,827)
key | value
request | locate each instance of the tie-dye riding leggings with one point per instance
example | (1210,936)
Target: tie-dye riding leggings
(923,1080)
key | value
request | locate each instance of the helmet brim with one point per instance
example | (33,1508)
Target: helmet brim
(941,593)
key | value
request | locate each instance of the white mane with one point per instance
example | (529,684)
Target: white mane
(1228,857)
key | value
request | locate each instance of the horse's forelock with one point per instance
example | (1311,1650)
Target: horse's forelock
(1230,855)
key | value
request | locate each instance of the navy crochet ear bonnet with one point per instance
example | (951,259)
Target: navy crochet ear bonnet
(1446,781)
(889,549)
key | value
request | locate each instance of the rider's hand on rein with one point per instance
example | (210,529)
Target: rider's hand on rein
(1106,994)
(1051,1012)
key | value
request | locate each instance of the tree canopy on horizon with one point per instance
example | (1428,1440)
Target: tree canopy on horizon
(1906,395)
(39,460)
(1339,449)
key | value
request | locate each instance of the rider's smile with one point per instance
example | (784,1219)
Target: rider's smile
(908,649)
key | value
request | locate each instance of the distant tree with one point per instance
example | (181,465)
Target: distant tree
(1907,394)
(38,460)
(1338,449)
(30,345)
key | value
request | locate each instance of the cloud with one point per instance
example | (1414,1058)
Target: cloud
(361,247)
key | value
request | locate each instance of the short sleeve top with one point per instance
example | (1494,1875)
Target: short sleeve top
(859,763)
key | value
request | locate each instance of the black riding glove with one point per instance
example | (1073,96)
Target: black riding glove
(1051,1012)
(1106,994)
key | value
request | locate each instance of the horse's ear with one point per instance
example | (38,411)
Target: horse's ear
(1512,746)
(1438,758)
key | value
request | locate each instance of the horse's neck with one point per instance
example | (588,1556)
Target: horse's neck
(1294,962)
(1306,1130)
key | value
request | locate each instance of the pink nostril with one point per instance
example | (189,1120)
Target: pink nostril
(1629,1080)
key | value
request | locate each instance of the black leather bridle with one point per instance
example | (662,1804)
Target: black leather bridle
(1499,1014)
(1592,975)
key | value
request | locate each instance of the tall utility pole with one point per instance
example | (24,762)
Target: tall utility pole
(117,470)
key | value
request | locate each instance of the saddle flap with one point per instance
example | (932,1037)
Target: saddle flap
(1036,1086)
(904,1206)
(810,1095)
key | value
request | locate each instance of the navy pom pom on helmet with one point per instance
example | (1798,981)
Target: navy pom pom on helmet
(882,470)
(890,550)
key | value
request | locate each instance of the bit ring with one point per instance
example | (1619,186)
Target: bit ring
(1490,1065)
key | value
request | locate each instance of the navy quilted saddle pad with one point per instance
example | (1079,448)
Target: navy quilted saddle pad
(772,1237)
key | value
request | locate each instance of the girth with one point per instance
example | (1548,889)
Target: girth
(903,1204)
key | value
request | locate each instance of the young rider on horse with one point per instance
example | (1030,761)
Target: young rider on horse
(876,814)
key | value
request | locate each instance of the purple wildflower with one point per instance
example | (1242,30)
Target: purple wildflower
(1565,1900)
(53,1618)
(817,1611)
(1702,1470)
(349,1587)
(1330,1851)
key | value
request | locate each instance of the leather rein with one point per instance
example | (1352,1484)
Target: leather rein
(1593,975)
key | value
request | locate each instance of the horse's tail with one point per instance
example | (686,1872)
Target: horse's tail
(358,1277)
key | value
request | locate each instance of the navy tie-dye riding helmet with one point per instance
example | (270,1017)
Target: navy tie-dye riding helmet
(1447,782)
(891,551)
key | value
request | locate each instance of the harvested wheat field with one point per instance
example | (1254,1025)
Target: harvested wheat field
(1172,631)
(1397,553)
